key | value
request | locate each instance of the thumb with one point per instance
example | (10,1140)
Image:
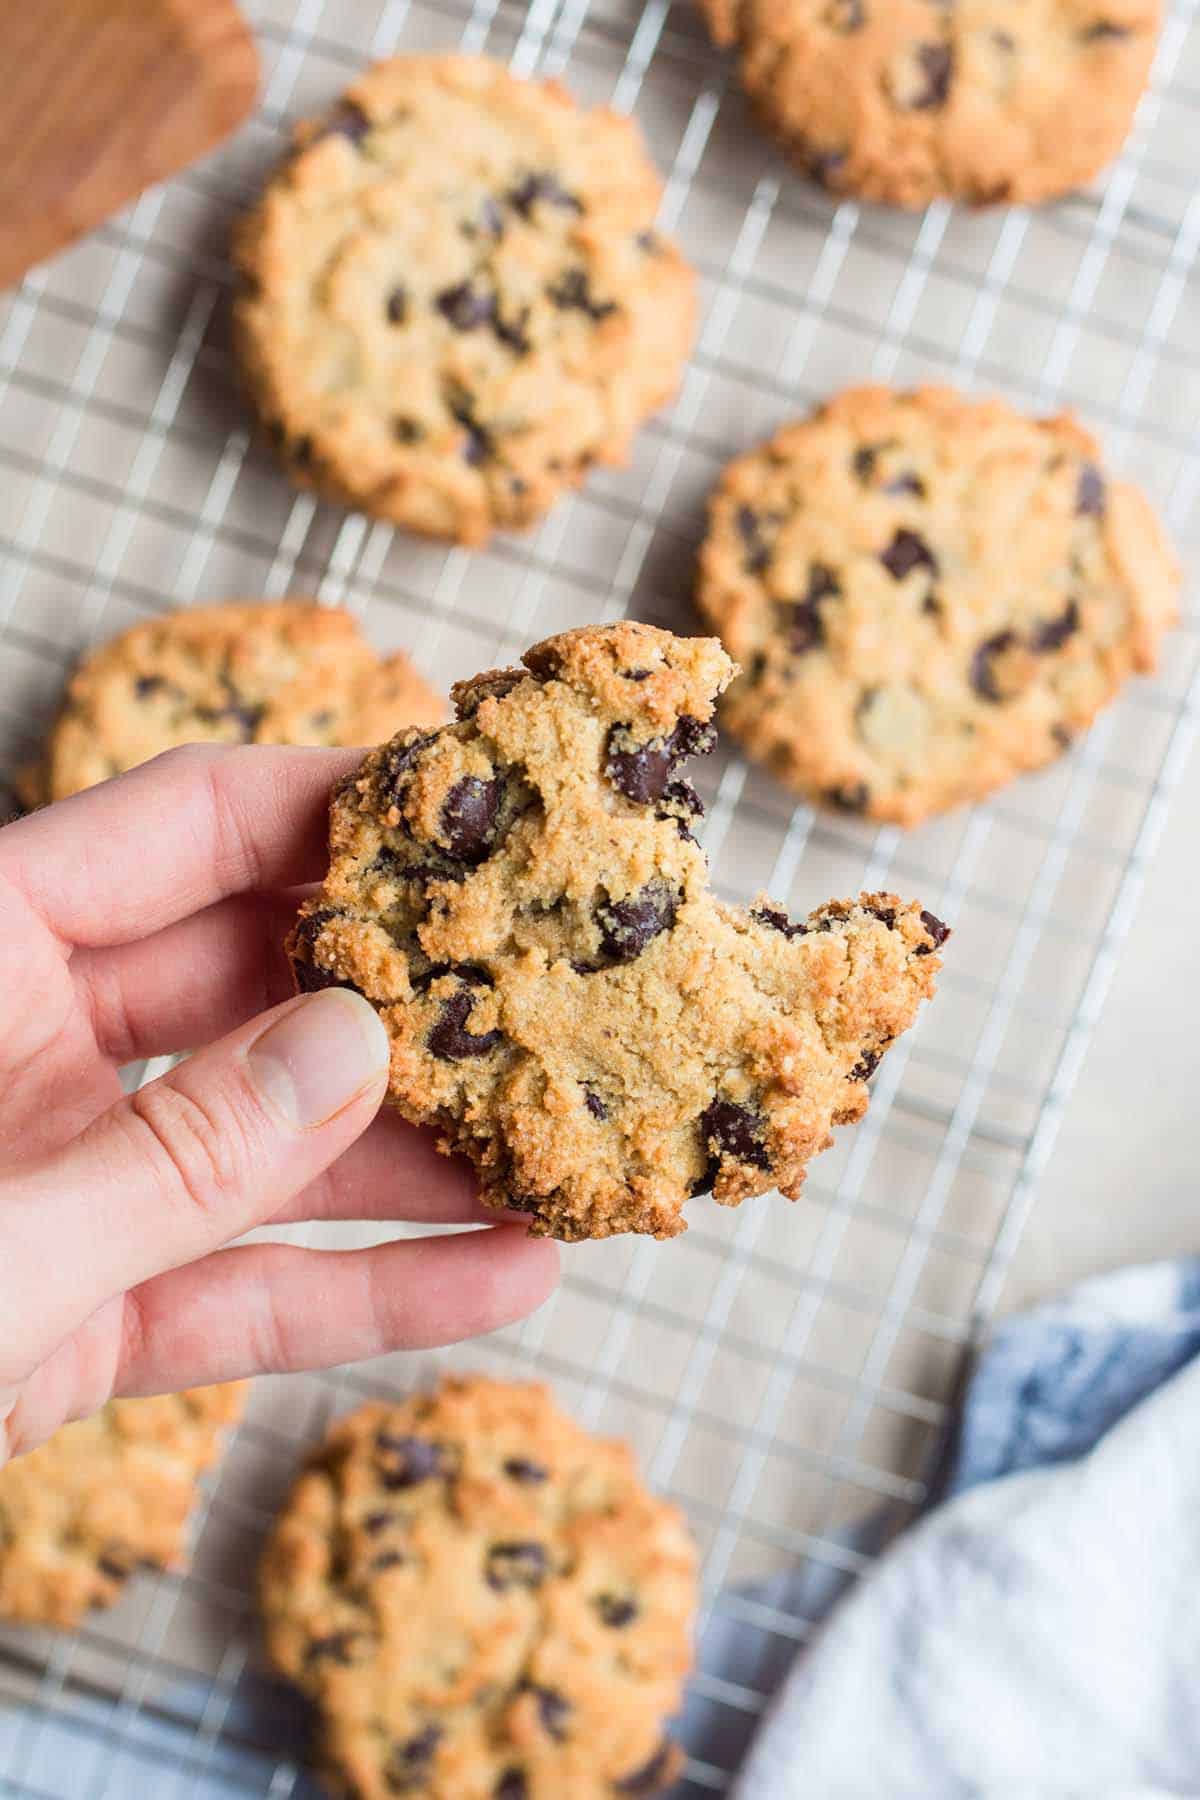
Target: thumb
(189,1161)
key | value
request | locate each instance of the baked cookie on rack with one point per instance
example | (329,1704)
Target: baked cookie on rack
(455,298)
(286,673)
(928,595)
(103,1497)
(906,101)
(522,899)
(483,1601)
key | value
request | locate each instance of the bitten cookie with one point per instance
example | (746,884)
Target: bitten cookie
(521,898)
(104,1497)
(291,673)
(904,101)
(928,594)
(484,1603)
(455,299)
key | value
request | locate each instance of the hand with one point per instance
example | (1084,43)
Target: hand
(146,916)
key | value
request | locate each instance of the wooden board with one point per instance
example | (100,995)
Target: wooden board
(102,98)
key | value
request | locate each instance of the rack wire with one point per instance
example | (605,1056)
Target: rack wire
(785,1371)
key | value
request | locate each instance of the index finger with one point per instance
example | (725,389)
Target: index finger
(176,834)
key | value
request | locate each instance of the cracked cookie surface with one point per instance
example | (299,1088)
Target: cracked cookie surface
(103,1497)
(521,897)
(906,101)
(287,673)
(456,301)
(483,1601)
(928,595)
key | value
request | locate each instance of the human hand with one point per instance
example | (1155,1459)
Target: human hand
(146,916)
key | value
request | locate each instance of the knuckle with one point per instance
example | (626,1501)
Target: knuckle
(194,1150)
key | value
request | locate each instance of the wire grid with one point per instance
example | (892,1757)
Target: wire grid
(783,1371)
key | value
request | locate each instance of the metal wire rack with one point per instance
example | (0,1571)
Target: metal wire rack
(784,1371)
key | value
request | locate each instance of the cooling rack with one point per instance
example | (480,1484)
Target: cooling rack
(785,1371)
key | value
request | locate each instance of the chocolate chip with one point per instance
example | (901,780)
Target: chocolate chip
(541,186)
(1090,496)
(145,685)
(466,308)
(1104,29)
(407,1768)
(594,1103)
(399,762)
(488,222)
(407,431)
(404,1462)
(936,62)
(469,816)
(778,921)
(515,1565)
(512,1785)
(1052,634)
(650,1777)
(848,797)
(554,1709)
(885,914)
(628,926)
(983,674)
(682,803)
(649,242)
(824,165)
(636,674)
(519,1468)
(806,629)
(907,551)
(309,975)
(1061,735)
(338,1646)
(397,306)
(376,1522)
(758,551)
(572,292)
(642,772)
(866,1065)
(937,931)
(864,460)
(388,1559)
(727,1129)
(347,121)
(117,1562)
(480,445)
(450,1040)
(512,333)
(616,1610)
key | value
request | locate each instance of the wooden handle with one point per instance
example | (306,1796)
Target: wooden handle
(102,98)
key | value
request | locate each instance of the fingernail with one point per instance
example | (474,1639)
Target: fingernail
(319,1057)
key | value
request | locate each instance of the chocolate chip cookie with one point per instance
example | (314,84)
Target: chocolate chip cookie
(904,101)
(484,1603)
(928,594)
(522,898)
(455,298)
(291,673)
(104,1497)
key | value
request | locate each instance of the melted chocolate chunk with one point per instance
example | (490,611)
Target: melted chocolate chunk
(572,292)
(146,685)
(405,1462)
(515,1565)
(727,1129)
(906,552)
(399,763)
(983,674)
(465,307)
(407,1768)
(616,1610)
(594,1104)
(480,445)
(512,1785)
(885,914)
(642,772)
(339,1647)
(1090,497)
(650,1777)
(470,813)
(849,797)
(866,1065)
(750,530)
(554,1709)
(1104,29)
(937,931)
(310,977)
(628,926)
(347,121)
(397,306)
(544,187)
(1052,634)
(407,431)
(519,1468)
(778,921)
(450,1040)
(936,62)
(806,630)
